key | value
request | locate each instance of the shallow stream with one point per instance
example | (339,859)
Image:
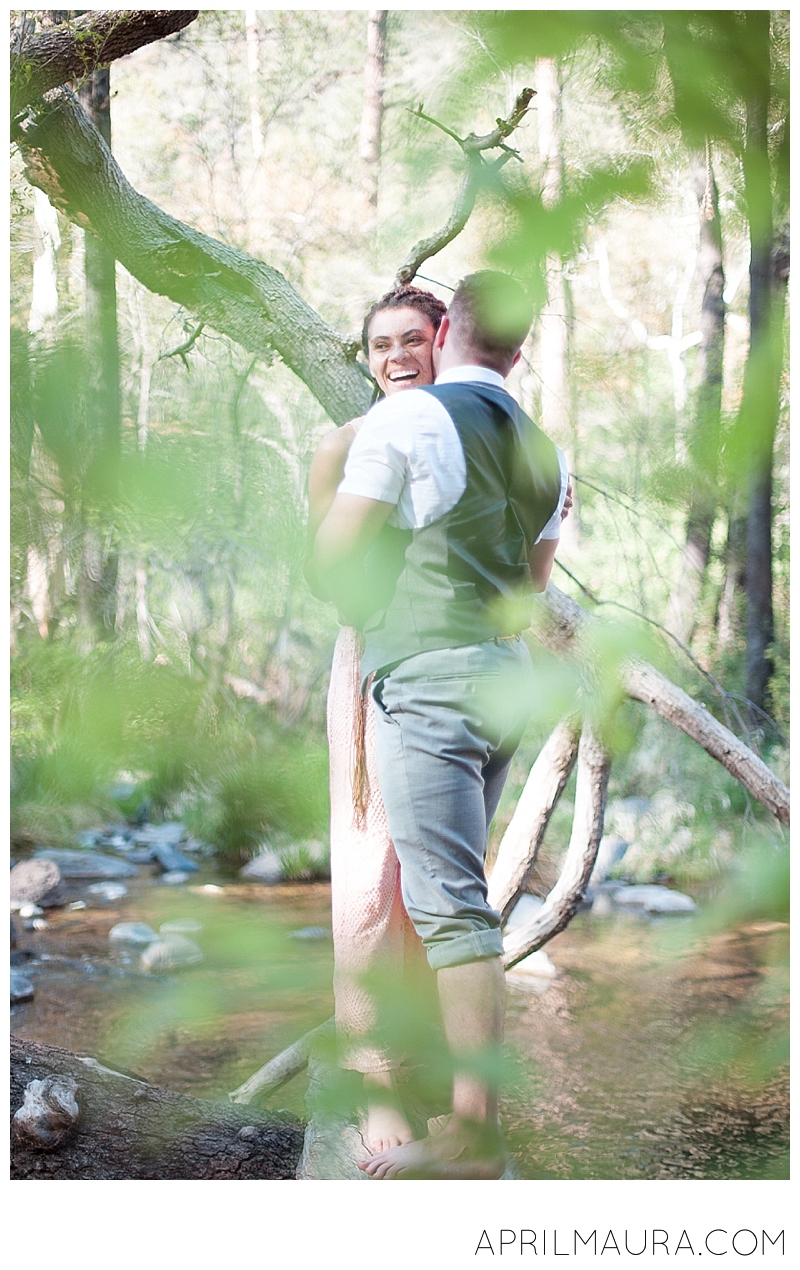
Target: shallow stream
(646,1056)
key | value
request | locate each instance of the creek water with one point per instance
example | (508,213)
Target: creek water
(648,1055)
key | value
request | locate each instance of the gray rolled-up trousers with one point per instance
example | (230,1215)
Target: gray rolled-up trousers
(447,724)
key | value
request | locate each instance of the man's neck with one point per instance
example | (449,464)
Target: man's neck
(453,356)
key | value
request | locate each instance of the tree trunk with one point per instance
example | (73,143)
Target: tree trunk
(761,396)
(369,147)
(704,442)
(97,587)
(129,1129)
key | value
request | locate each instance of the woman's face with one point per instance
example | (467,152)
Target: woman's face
(400,343)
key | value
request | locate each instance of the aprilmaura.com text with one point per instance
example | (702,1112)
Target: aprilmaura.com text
(572,1243)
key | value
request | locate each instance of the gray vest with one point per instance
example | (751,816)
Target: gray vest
(464,578)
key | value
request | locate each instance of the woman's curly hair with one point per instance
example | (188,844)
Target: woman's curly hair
(405,298)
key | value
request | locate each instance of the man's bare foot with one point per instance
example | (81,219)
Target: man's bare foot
(387,1126)
(460,1150)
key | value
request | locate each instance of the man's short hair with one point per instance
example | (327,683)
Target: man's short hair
(491,313)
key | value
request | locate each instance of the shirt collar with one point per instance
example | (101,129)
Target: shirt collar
(471,374)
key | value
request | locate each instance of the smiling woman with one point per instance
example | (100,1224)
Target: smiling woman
(370,927)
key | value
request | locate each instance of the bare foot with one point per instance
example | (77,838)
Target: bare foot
(387,1126)
(461,1150)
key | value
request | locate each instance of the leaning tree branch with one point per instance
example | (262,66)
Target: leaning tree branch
(476,172)
(594,766)
(519,848)
(72,50)
(562,626)
(226,289)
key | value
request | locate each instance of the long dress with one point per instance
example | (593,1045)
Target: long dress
(371,929)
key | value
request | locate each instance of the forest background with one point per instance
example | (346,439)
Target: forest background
(166,651)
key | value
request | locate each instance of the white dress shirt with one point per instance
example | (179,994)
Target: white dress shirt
(408,452)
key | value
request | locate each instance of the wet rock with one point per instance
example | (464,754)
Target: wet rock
(172,952)
(36,881)
(169,834)
(48,1112)
(76,906)
(535,972)
(107,891)
(137,933)
(180,926)
(525,909)
(172,860)
(266,868)
(13,934)
(140,855)
(653,899)
(176,877)
(38,923)
(612,848)
(21,987)
(310,933)
(29,910)
(86,864)
(89,837)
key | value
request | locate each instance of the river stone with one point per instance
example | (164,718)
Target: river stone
(265,867)
(108,891)
(612,848)
(653,899)
(36,882)
(525,909)
(168,834)
(175,877)
(536,971)
(172,860)
(86,864)
(137,933)
(171,953)
(21,987)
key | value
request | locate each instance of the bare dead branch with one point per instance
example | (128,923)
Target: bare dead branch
(183,349)
(476,171)
(519,848)
(72,50)
(560,624)
(594,765)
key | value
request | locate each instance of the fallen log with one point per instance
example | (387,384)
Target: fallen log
(560,624)
(87,1122)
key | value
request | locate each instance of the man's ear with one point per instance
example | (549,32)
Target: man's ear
(441,334)
(516,359)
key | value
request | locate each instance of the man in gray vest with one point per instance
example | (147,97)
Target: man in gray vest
(445,524)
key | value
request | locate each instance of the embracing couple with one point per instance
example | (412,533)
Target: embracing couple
(433,520)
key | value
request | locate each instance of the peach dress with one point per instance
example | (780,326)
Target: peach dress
(371,929)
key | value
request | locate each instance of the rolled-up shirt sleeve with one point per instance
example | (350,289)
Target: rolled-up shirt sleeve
(375,467)
(553,527)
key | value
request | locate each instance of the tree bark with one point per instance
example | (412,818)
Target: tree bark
(129,1129)
(704,443)
(560,906)
(229,290)
(98,594)
(519,848)
(560,623)
(761,396)
(72,50)
(369,147)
